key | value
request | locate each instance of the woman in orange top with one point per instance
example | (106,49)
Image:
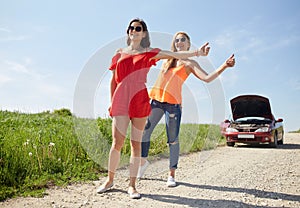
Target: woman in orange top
(129,97)
(166,100)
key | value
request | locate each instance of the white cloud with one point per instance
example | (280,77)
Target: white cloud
(230,79)
(224,39)
(4,79)
(7,35)
(22,68)
(16,67)
(23,74)
(233,39)
(279,44)
(253,40)
(4,30)
(13,38)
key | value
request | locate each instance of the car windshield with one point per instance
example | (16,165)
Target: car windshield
(256,120)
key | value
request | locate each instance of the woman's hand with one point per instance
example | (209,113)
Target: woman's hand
(230,62)
(203,50)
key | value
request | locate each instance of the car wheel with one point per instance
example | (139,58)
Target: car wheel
(275,143)
(280,142)
(230,144)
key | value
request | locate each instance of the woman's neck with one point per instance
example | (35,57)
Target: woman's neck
(135,46)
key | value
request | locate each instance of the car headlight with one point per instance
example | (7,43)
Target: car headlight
(263,129)
(231,130)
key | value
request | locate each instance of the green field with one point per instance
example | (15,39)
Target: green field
(41,150)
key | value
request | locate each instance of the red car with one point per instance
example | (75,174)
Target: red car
(252,122)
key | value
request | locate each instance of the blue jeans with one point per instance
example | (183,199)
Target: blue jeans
(172,114)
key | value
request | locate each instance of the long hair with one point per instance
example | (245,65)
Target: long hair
(145,43)
(172,62)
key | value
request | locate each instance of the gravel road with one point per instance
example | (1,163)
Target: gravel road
(241,176)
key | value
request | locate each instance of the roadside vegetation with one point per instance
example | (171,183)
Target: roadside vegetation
(41,150)
(298,131)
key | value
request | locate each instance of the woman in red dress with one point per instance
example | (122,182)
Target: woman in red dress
(129,97)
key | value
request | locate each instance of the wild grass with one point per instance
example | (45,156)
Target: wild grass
(297,131)
(41,150)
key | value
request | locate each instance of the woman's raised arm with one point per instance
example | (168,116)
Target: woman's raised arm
(202,51)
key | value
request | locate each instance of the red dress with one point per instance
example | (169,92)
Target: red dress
(131,96)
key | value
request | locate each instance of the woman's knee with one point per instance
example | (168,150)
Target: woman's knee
(135,145)
(173,127)
(118,144)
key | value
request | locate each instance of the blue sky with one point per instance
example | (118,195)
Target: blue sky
(46,45)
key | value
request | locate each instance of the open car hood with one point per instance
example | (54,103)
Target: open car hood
(250,106)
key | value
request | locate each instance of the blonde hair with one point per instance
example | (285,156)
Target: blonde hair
(171,62)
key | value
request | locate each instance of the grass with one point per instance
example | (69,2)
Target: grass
(38,151)
(298,131)
(41,150)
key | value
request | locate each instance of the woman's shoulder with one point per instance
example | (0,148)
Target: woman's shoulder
(117,55)
(187,62)
(119,50)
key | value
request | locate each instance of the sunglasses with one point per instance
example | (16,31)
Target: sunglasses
(183,39)
(137,28)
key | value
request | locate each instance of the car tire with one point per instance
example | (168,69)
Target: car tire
(275,143)
(230,144)
(280,142)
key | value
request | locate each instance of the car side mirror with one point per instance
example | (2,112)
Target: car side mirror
(279,120)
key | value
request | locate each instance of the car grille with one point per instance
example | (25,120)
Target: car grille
(247,129)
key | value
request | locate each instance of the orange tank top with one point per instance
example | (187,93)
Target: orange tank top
(168,85)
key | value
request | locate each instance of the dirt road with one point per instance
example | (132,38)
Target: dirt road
(241,176)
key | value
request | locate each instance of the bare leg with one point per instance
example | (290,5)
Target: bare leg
(137,128)
(143,160)
(119,128)
(172,173)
